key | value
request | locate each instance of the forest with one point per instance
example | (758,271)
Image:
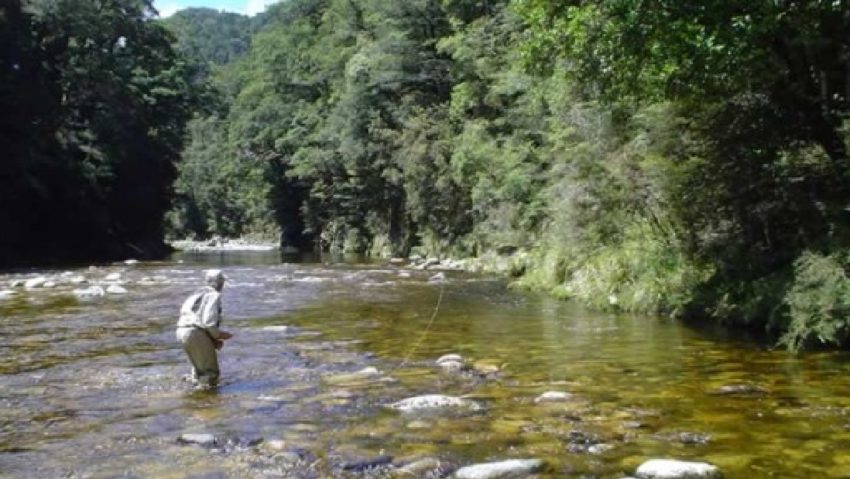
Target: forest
(687,159)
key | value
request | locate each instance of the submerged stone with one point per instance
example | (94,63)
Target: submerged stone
(487,366)
(206,440)
(115,289)
(513,468)
(674,469)
(742,389)
(275,329)
(93,291)
(366,464)
(365,373)
(434,401)
(553,396)
(33,283)
(419,468)
(450,358)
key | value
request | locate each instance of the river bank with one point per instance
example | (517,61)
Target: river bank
(223,244)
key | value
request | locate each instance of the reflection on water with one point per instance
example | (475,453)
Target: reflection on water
(92,387)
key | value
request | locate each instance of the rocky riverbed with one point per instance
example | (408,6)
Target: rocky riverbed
(389,370)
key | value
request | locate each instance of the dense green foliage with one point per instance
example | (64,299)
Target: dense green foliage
(92,106)
(648,156)
(211,38)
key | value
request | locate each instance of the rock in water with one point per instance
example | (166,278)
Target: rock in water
(673,469)
(741,389)
(432,402)
(420,468)
(206,440)
(450,358)
(90,292)
(553,396)
(360,465)
(115,289)
(514,468)
(35,282)
(452,363)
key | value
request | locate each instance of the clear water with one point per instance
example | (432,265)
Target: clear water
(94,388)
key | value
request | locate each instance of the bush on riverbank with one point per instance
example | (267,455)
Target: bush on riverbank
(818,301)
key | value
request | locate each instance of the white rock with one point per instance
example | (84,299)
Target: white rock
(89,292)
(419,468)
(113,277)
(403,274)
(49,284)
(79,279)
(599,448)
(115,289)
(368,371)
(513,468)
(450,358)
(7,293)
(674,469)
(200,439)
(33,283)
(434,401)
(131,261)
(553,396)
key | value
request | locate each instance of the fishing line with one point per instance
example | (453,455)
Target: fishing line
(427,327)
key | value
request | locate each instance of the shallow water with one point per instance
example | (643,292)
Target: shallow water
(93,387)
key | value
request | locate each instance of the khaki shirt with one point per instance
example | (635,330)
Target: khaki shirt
(202,311)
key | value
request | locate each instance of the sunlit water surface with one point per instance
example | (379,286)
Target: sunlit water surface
(94,388)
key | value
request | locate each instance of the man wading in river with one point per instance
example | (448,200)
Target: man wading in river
(197,329)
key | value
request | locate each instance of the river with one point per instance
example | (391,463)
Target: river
(93,386)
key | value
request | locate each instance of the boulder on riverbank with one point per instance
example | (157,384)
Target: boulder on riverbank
(675,469)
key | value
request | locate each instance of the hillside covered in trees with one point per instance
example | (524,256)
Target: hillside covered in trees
(681,158)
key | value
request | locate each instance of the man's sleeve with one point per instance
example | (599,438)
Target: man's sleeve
(211,314)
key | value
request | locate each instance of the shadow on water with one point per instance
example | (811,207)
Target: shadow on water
(92,387)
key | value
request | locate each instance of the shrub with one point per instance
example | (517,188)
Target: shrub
(818,302)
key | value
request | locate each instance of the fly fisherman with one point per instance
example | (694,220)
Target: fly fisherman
(198,329)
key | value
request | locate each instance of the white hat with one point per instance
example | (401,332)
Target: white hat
(214,276)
